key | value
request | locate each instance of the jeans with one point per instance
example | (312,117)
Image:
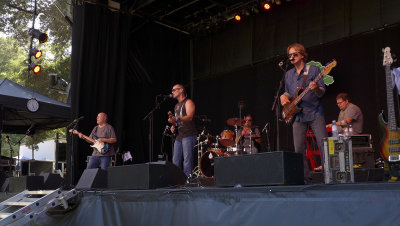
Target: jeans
(96,161)
(183,150)
(299,137)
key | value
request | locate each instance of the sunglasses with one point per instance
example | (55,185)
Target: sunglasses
(173,90)
(292,54)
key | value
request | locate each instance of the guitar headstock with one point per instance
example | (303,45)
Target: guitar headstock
(328,67)
(387,57)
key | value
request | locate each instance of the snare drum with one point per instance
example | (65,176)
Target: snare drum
(207,162)
(227,138)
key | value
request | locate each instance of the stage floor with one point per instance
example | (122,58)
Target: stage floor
(340,204)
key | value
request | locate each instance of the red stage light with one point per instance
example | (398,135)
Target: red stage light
(35,68)
(37,53)
(267,6)
(237,17)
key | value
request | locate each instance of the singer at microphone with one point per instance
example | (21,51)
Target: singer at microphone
(183,117)
(305,77)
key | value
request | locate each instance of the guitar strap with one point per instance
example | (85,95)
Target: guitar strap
(305,76)
(95,132)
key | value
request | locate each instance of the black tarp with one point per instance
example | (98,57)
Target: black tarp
(340,204)
(17,118)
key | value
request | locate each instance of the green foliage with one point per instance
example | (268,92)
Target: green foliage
(328,80)
(14,47)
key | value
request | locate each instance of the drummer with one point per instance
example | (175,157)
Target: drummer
(246,132)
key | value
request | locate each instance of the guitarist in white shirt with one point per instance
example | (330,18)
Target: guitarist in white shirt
(302,76)
(104,133)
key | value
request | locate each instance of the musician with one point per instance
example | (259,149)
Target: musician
(183,121)
(350,114)
(103,132)
(244,137)
(302,76)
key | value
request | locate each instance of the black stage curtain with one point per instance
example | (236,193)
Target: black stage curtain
(118,67)
(359,72)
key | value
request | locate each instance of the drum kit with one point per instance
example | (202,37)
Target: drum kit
(225,144)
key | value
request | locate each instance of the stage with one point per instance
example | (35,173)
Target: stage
(340,204)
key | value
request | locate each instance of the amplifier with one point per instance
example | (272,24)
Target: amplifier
(338,160)
(362,140)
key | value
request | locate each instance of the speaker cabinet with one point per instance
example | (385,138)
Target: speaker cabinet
(18,184)
(52,181)
(145,176)
(268,168)
(92,179)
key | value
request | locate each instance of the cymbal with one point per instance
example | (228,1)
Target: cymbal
(235,121)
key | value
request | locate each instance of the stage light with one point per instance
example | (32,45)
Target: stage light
(37,53)
(266,6)
(42,37)
(35,68)
(237,17)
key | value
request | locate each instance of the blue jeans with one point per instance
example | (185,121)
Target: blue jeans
(299,138)
(96,161)
(183,150)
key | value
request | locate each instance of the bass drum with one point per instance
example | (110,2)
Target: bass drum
(207,161)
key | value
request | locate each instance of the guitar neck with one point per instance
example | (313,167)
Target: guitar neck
(88,139)
(390,102)
(298,99)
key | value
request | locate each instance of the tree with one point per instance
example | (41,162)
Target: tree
(16,19)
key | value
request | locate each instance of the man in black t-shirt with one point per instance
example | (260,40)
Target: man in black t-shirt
(105,133)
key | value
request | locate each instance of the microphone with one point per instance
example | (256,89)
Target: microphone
(280,64)
(31,130)
(265,128)
(78,119)
(165,96)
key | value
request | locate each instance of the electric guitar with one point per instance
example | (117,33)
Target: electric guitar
(175,132)
(101,147)
(290,109)
(390,146)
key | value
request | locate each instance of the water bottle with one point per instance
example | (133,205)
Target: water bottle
(334,129)
(350,130)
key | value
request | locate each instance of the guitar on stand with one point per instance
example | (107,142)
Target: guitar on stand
(390,147)
(290,109)
(101,147)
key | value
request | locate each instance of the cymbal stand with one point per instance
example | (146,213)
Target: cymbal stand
(236,133)
(251,143)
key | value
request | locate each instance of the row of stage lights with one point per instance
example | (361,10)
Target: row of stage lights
(266,6)
(34,52)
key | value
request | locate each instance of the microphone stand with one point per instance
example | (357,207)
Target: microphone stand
(276,106)
(150,116)
(10,163)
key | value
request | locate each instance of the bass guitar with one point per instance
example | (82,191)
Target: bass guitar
(390,146)
(290,109)
(101,147)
